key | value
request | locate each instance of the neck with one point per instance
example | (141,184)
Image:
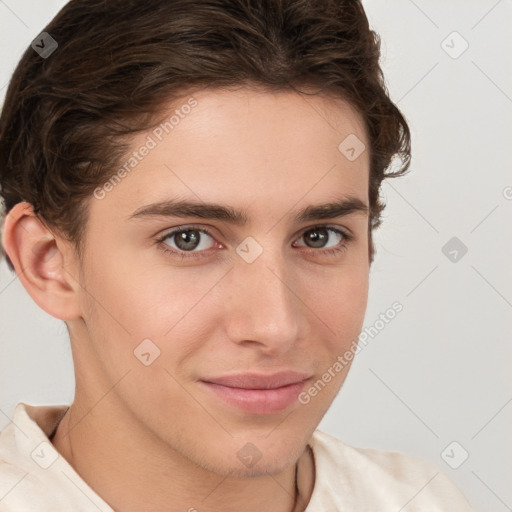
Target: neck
(150,474)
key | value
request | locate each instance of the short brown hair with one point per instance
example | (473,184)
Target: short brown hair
(67,118)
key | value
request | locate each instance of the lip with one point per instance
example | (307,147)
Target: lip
(258,393)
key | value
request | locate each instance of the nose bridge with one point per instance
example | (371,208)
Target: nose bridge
(264,306)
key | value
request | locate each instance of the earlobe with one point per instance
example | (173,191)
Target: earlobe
(39,262)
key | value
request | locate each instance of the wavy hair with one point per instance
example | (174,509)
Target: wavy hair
(67,118)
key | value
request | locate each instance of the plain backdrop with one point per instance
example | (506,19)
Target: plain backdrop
(435,382)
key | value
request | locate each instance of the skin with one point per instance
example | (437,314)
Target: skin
(150,437)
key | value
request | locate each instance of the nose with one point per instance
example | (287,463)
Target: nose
(264,309)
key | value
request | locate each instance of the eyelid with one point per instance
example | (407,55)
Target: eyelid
(344,231)
(187,227)
(347,234)
(209,230)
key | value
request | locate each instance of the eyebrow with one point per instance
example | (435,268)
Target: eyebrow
(186,208)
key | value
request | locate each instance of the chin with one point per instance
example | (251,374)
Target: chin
(250,458)
(275,454)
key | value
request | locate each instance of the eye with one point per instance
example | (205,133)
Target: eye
(186,239)
(189,238)
(318,236)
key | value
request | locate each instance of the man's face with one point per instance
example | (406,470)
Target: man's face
(259,297)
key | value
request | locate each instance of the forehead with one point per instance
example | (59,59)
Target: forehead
(246,146)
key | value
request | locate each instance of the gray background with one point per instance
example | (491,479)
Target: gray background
(440,371)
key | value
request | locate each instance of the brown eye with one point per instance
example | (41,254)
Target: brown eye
(185,240)
(318,237)
(189,241)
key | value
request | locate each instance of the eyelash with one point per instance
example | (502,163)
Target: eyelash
(348,237)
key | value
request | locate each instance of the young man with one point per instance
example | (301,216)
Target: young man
(192,187)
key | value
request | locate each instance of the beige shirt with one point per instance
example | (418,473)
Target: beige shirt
(35,477)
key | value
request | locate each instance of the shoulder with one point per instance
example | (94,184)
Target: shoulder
(33,474)
(20,485)
(371,478)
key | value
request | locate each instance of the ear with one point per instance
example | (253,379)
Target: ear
(38,257)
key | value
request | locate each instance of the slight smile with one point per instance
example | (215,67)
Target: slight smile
(257,393)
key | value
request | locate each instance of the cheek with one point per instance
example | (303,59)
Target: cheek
(338,301)
(341,304)
(160,304)
(341,292)
(121,305)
